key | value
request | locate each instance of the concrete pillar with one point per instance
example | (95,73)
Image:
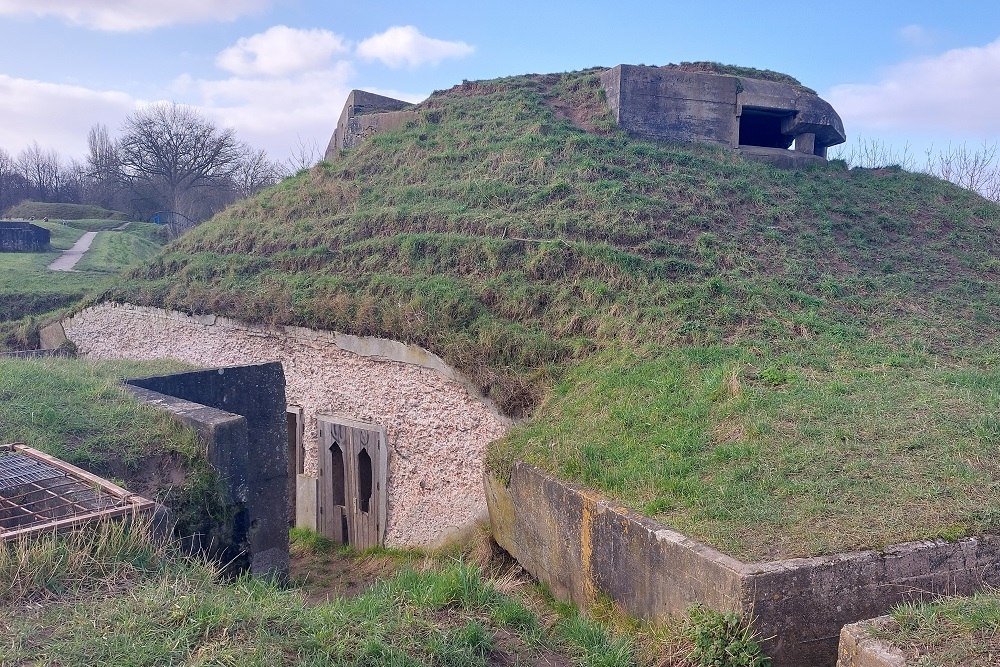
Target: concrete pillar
(806,143)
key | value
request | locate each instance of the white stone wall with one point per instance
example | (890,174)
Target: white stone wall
(438,428)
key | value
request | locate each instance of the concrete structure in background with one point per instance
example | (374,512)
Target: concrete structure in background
(583,546)
(365,114)
(18,236)
(761,119)
(239,414)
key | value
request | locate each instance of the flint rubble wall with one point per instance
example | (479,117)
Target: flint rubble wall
(438,428)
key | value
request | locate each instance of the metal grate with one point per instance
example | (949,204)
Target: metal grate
(39,492)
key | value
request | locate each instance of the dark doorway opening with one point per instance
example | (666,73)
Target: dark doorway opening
(762,127)
(296,456)
(364,480)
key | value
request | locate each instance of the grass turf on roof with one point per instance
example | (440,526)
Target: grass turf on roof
(778,362)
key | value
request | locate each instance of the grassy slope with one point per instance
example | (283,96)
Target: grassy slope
(29,291)
(951,632)
(778,362)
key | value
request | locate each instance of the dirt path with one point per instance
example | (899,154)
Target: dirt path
(68,259)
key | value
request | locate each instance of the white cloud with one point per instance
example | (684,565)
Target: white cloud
(404,46)
(281,50)
(126,15)
(917,36)
(56,116)
(955,92)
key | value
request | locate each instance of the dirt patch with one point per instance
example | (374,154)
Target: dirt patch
(325,576)
(583,116)
(511,650)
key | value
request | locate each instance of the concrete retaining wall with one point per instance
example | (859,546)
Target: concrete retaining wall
(582,545)
(239,413)
(438,427)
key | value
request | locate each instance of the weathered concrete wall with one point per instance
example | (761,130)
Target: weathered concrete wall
(365,114)
(438,427)
(857,649)
(663,104)
(670,105)
(823,594)
(581,544)
(23,237)
(239,412)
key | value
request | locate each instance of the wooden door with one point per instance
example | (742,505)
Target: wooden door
(352,481)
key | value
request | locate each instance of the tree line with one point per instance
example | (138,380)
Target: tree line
(167,162)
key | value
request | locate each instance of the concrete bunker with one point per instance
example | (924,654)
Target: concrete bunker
(365,114)
(418,426)
(17,236)
(762,119)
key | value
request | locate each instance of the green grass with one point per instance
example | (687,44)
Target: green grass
(31,294)
(607,288)
(950,632)
(61,211)
(112,252)
(75,409)
(114,594)
(144,605)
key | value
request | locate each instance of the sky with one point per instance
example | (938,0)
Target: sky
(914,73)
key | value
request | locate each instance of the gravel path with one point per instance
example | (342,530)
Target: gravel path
(68,259)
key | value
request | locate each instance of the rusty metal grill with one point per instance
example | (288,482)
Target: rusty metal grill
(39,492)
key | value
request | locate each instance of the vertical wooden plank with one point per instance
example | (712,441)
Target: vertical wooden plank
(324,504)
(382,479)
(307,505)
(351,481)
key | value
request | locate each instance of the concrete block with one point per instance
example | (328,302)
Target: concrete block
(239,413)
(52,336)
(857,649)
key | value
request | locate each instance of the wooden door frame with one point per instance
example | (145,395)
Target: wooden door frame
(380,465)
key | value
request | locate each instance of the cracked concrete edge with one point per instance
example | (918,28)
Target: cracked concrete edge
(859,649)
(371,347)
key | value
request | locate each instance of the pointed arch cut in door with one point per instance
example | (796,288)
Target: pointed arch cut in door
(352,481)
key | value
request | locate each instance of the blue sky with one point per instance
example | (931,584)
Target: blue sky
(278,71)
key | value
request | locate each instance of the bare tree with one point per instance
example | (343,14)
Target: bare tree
(304,156)
(170,152)
(40,168)
(9,181)
(976,169)
(254,172)
(103,169)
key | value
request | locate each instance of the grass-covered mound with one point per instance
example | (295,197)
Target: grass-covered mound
(61,211)
(31,294)
(779,362)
